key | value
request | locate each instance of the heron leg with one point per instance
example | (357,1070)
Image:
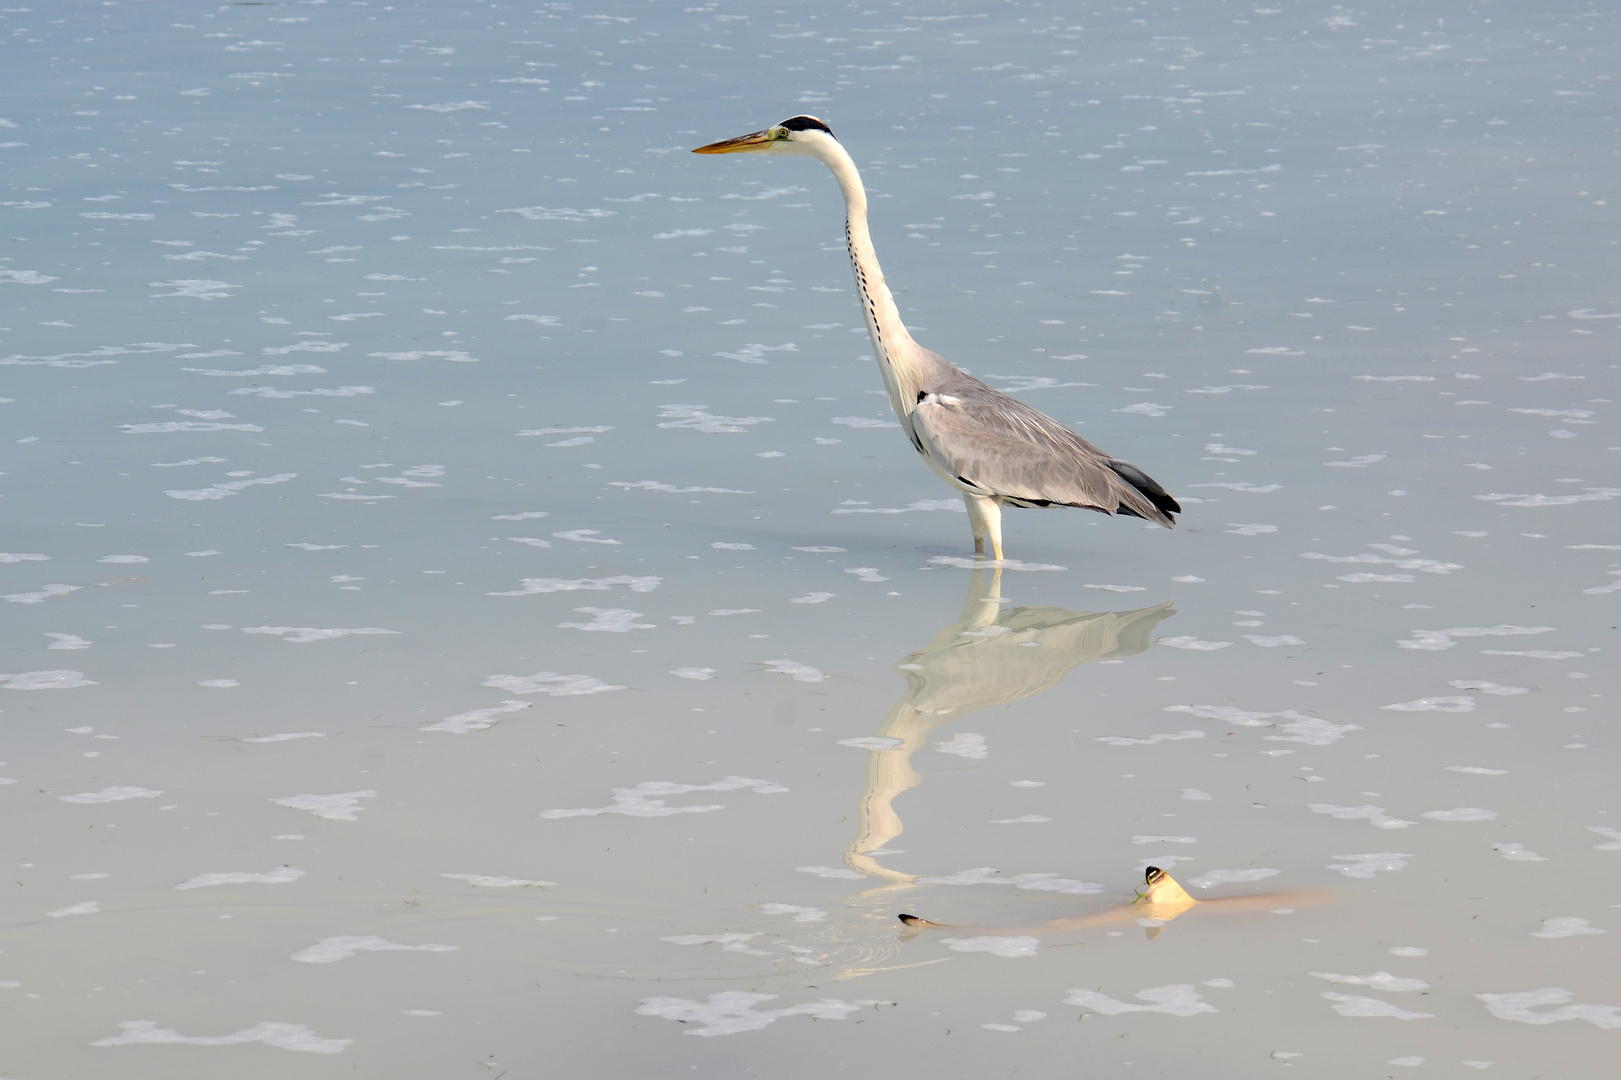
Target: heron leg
(976,521)
(985,516)
(993,526)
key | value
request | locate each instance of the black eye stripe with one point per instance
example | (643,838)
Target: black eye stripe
(805,123)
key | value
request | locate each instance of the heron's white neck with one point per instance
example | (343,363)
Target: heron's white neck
(892,345)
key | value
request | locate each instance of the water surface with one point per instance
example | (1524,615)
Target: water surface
(470,613)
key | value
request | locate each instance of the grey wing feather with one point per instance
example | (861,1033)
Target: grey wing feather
(1003,447)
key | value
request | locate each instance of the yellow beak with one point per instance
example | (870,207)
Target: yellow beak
(742,143)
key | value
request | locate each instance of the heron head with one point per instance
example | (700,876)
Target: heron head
(803,135)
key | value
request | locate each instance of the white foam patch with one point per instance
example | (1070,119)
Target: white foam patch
(840,872)
(800,914)
(496,881)
(794,670)
(1497,689)
(1461,704)
(274,394)
(284,736)
(279,1035)
(452,356)
(1605,830)
(696,418)
(698,674)
(732,1011)
(1361,461)
(1272,642)
(1191,643)
(647,799)
(1011,948)
(1178,999)
(1145,839)
(318,547)
(549,683)
(1518,1007)
(1461,813)
(721,545)
(1373,815)
(598,430)
(262,369)
(732,943)
(44,593)
(1592,494)
(986,875)
(1379,980)
(1296,727)
(1195,795)
(476,719)
(1428,566)
(873,742)
(1369,863)
(983,564)
(921,504)
(1212,878)
(1436,640)
(219,684)
(87,907)
(1600,590)
(302,635)
(1518,853)
(281,875)
(1257,489)
(1536,654)
(166,427)
(1563,926)
(866,573)
(1358,1006)
(965,745)
(820,550)
(673,489)
(340,807)
(117,793)
(813,598)
(608,621)
(1149,740)
(24,556)
(863,422)
(1253,529)
(534,586)
(331,950)
(58,679)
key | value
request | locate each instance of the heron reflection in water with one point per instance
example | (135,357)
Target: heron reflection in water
(991,655)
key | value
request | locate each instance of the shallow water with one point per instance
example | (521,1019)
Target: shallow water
(380,371)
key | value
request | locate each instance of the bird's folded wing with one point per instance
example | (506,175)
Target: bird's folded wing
(1006,448)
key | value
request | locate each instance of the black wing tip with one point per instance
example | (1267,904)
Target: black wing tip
(1164,503)
(913,920)
(1146,486)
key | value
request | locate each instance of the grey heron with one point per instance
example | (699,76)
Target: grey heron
(993,448)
